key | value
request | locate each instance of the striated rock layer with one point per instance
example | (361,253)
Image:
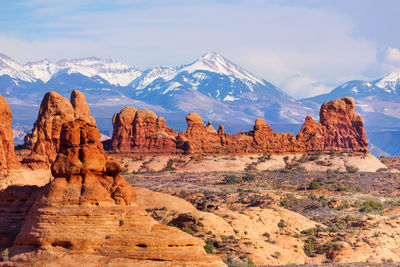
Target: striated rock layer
(55,110)
(8,158)
(88,215)
(339,129)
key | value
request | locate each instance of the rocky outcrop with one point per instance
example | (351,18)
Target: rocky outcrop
(339,129)
(142,131)
(8,158)
(81,107)
(55,110)
(44,139)
(89,215)
(198,138)
(344,128)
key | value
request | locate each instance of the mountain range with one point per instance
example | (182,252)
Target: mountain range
(213,86)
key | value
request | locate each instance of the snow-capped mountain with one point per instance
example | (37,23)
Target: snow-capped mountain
(113,72)
(388,85)
(213,86)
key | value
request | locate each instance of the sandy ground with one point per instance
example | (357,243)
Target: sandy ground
(207,163)
(37,177)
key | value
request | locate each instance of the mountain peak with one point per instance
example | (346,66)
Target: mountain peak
(211,56)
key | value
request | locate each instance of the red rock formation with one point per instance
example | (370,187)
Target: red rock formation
(344,128)
(122,129)
(44,139)
(81,107)
(141,131)
(88,215)
(340,129)
(83,173)
(55,110)
(199,138)
(8,158)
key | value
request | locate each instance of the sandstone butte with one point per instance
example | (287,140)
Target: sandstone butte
(88,215)
(55,110)
(8,159)
(340,128)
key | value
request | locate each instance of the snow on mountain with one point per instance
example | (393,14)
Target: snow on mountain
(213,62)
(13,69)
(112,71)
(390,82)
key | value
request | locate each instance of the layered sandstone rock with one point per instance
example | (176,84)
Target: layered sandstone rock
(88,214)
(44,139)
(340,129)
(142,131)
(8,158)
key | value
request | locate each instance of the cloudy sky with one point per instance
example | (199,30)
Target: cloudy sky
(306,47)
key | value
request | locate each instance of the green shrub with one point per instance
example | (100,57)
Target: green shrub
(309,247)
(314,185)
(352,169)
(371,205)
(281,224)
(209,248)
(341,188)
(231,179)
(249,177)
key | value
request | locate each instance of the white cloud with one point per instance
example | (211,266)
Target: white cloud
(393,54)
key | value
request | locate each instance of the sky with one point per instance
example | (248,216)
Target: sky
(305,47)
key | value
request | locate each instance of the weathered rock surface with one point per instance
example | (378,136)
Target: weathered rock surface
(55,110)
(90,211)
(8,158)
(81,107)
(142,131)
(340,129)
(44,139)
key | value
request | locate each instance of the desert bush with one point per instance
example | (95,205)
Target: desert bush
(231,179)
(209,248)
(351,169)
(370,206)
(281,224)
(314,185)
(341,188)
(249,177)
(170,165)
(309,247)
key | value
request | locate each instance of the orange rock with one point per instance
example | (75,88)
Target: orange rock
(8,159)
(142,131)
(81,107)
(44,139)
(55,110)
(340,129)
(89,211)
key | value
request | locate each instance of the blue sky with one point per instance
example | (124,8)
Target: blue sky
(306,47)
